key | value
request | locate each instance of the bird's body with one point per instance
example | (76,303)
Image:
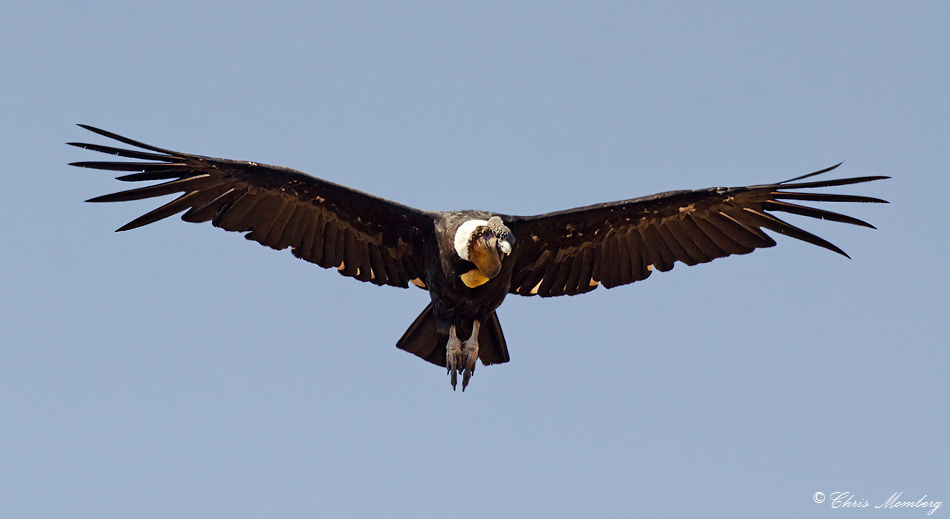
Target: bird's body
(469,261)
(458,305)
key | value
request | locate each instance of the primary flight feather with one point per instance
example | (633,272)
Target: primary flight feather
(467,260)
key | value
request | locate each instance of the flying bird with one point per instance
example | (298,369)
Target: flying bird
(468,261)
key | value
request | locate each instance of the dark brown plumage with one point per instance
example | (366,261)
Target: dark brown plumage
(386,243)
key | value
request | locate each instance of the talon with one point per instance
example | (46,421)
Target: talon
(467,375)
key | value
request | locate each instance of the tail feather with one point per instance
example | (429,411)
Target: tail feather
(492,348)
(423,339)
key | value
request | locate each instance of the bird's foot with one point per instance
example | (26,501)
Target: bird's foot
(470,355)
(453,353)
(460,357)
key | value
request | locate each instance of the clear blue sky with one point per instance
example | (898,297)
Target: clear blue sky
(180,371)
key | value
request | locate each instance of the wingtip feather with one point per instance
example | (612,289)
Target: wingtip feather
(813,174)
(125,140)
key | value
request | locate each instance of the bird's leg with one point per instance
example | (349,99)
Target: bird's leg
(453,351)
(470,355)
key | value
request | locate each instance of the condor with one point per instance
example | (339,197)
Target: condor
(467,260)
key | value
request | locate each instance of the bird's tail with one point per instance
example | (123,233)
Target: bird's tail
(424,340)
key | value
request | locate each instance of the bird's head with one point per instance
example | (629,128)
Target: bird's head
(484,243)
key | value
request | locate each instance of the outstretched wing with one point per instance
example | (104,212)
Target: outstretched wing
(572,252)
(361,235)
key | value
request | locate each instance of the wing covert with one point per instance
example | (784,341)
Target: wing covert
(361,235)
